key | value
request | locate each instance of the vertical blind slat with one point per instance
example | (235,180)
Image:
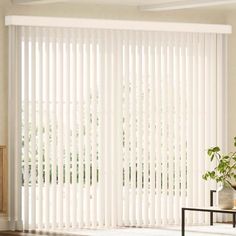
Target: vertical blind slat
(47,129)
(207,116)
(145,78)
(176,128)
(133,132)
(13,46)
(195,127)
(170,132)
(158,161)
(80,82)
(119,121)
(139,132)
(183,117)
(114,132)
(40,129)
(213,102)
(87,129)
(54,126)
(26,126)
(201,116)
(126,129)
(108,139)
(33,131)
(152,113)
(67,127)
(60,149)
(220,101)
(101,163)
(164,129)
(73,69)
(94,130)
(189,124)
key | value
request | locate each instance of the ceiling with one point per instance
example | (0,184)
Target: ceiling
(110,2)
(149,5)
(125,2)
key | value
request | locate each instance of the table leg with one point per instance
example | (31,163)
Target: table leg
(211,204)
(234,216)
(183,222)
(211,218)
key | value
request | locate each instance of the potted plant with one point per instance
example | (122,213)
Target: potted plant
(225,174)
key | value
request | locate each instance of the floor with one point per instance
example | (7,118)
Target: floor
(217,230)
(12,233)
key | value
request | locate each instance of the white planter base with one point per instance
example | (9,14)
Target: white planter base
(225,197)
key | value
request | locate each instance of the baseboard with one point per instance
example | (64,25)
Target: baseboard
(4,222)
(19,225)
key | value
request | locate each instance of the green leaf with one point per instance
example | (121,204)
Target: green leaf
(216,149)
(204,177)
(209,152)
(212,174)
(212,157)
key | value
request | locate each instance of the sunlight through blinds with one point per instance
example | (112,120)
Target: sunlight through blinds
(115,124)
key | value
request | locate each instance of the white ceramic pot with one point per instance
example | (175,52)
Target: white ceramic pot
(225,197)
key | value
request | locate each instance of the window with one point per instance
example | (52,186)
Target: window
(115,123)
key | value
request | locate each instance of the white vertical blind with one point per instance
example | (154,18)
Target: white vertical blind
(116,123)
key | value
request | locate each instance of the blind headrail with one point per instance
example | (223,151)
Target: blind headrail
(116,24)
